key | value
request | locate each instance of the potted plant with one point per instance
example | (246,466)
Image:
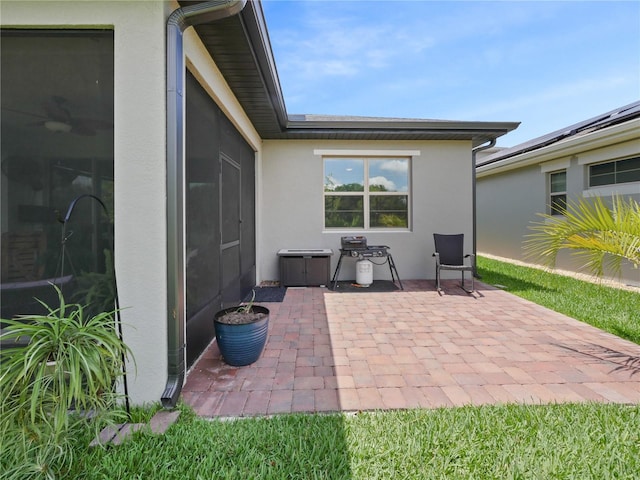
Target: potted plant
(241,332)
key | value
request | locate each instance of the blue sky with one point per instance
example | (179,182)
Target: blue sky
(547,64)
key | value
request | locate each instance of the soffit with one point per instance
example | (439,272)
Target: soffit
(240,47)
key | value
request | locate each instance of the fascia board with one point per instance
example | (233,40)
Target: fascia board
(426,125)
(255,26)
(570,146)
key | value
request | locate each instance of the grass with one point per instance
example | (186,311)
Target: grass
(613,310)
(571,441)
(568,441)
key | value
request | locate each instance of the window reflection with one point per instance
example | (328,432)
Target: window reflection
(343,175)
(56,129)
(366,193)
(389,175)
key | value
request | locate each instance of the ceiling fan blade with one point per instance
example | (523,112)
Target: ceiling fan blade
(22,112)
(80,129)
(89,126)
(58,118)
(57,108)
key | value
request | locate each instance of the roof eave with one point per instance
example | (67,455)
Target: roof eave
(256,29)
(606,120)
(414,124)
(619,133)
(476,132)
(261,97)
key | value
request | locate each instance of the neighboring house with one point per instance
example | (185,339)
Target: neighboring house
(172,114)
(596,157)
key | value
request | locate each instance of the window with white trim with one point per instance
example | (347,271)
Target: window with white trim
(558,192)
(612,173)
(366,193)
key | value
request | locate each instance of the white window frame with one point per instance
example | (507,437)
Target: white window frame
(552,194)
(616,152)
(615,172)
(366,156)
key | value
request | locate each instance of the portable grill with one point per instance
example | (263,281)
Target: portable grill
(353,242)
(356,247)
(370,251)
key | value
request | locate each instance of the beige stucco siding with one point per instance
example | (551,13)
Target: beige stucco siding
(292,203)
(140,158)
(505,206)
(289,176)
(510,193)
(139,164)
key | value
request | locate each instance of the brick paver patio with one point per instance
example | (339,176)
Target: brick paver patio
(330,351)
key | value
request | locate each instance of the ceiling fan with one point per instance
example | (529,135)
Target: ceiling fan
(58,118)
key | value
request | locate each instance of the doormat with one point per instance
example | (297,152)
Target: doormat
(377,286)
(267,294)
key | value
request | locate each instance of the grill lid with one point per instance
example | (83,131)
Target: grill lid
(352,242)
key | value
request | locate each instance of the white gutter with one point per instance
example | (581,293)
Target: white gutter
(474,153)
(605,137)
(178,22)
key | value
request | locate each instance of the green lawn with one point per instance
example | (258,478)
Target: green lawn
(613,310)
(494,442)
(570,441)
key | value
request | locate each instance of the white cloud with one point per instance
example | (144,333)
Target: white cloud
(395,166)
(384,181)
(534,62)
(333,67)
(549,95)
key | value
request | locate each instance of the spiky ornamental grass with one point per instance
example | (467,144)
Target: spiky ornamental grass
(65,375)
(603,237)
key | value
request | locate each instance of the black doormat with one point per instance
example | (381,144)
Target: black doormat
(376,287)
(267,294)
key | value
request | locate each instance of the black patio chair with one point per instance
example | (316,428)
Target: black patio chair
(449,256)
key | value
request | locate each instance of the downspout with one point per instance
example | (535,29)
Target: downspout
(474,152)
(178,22)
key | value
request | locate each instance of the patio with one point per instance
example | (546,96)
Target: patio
(330,351)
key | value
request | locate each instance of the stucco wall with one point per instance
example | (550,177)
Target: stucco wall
(140,158)
(509,197)
(139,163)
(291,205)
(506,203)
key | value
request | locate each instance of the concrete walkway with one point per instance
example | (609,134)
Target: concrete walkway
(330,351)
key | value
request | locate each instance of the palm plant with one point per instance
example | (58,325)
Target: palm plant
(603,237)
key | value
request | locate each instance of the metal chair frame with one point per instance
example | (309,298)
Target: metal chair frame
(450,255)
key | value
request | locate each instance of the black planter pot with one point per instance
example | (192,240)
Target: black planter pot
(241,344)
